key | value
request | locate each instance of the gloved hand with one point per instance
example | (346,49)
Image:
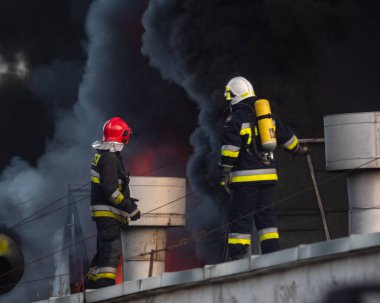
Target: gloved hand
(301,150)
(135,215)
(224,175)
(128,205)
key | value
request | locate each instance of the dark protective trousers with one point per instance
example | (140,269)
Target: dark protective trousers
(252,202)
(104,264)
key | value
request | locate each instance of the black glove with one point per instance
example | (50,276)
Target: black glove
(128,205)
(135,215)
(301,150)
(224,175)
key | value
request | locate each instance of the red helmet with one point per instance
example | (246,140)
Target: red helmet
(116,130)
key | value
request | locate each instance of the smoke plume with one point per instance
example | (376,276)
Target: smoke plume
(305,56)
(116,80)
(286,48)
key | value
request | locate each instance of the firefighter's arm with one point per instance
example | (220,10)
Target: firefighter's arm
(231,144)
(110,188)
(125,189)
(287,138)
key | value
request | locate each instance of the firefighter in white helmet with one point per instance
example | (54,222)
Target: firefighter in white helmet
(111,204)
(247,166)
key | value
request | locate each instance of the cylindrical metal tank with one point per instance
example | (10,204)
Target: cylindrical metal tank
(352,142)
(162,204)
(364,200)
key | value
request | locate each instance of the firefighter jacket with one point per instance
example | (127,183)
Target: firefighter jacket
(239,136)
(110,196)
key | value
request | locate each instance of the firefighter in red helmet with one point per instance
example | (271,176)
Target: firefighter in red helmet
(111,204)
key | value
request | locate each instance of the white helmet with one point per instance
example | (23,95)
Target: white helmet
(237,89)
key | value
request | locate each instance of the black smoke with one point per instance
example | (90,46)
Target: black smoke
(78,88)
(301,55)
(40,32)
(309,58)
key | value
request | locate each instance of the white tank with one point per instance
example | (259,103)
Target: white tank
(352,142)
(162,204)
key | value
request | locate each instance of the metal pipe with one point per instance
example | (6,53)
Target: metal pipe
(151,263)
(319,200)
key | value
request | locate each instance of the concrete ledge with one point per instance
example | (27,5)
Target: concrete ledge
(226,269)
(274,259)
(131,287)
(330,253)
(324,248)
(103,294)
(182,277)
(358,242)
(150,283)
(74,298)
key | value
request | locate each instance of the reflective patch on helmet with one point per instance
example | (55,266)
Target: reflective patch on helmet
(227,93)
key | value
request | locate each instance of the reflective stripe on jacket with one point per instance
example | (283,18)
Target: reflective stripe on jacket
(109,185)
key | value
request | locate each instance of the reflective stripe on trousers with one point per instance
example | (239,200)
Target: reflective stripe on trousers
(241,239)
(268,234)
(103,273)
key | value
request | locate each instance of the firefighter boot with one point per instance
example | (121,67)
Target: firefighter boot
(104,282)
(237,251)
(90,281)
(270,245)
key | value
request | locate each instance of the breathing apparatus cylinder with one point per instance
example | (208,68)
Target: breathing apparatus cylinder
(265,125)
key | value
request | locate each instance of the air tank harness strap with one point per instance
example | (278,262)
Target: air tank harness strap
(267,116)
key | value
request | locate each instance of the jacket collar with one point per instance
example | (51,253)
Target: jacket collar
(110,146)
(243,104)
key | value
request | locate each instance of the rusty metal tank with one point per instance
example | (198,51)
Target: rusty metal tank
(162,204)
